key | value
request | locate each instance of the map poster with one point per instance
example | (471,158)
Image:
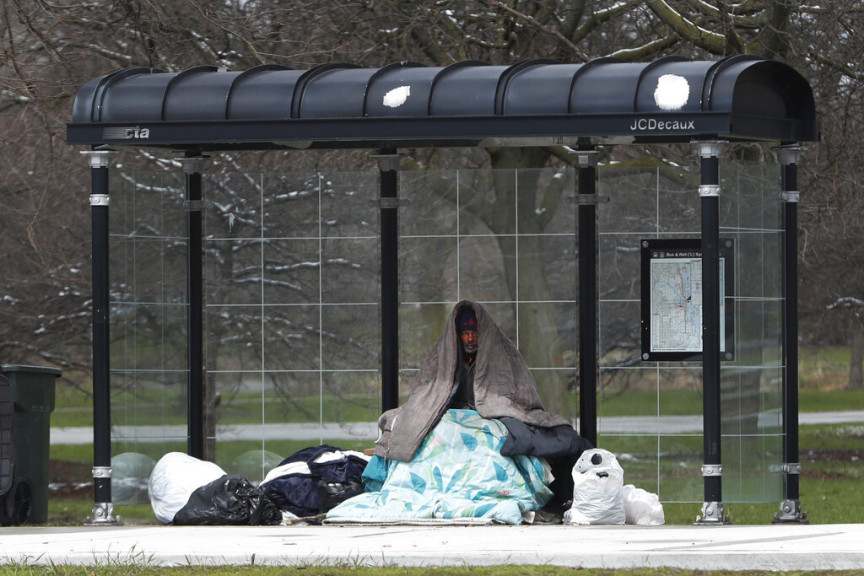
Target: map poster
(672,300)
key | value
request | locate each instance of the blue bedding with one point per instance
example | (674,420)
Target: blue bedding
(458,472)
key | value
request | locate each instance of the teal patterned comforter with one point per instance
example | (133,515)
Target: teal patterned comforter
(458,472)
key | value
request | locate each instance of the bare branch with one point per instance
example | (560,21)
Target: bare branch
(533,22)
(705,39)
(649,50)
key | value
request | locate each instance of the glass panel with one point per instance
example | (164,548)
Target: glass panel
(428,269)
(232,206)
(548,340)
(750,470)
(291,271)
(293,331)
(557,388)
(619,343)
(547,334)
(145,400)
(664,400)
(546,202)
(291,277)
(505,239)
(349,206)
(232,271)
(431,203)
(148,316)
(292,318)
(350,271)
(149,337)
(291,205)
(487,202)
(505,316)
(680,465)
(632,200)
(353,398)
(350,337)
(547,268)
(292,337)
(420,327)
(486,270)
(233,337)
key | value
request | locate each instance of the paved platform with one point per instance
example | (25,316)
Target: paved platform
(781,547)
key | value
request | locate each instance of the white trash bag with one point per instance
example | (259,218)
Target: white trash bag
(642,507)
(174,478)
(598,482)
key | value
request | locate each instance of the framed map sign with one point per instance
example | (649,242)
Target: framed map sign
(672,299)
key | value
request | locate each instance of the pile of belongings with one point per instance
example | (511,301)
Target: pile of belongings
(187,491)
(472,444)
(501,458)
(457,473)
(600,496)
(315,479)
(184,490)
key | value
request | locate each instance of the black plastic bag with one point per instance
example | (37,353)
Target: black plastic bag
(229,500)
(334,493)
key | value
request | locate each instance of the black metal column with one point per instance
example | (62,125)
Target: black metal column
(587,202)
(712,469)
(103,508)
(195,302)
(790,507)
(388,203)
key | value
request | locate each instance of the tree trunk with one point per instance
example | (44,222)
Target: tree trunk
(856,362)
(539,341)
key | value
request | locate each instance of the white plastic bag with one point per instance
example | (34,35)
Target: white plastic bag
(174,478)
(598,482)
(642,507)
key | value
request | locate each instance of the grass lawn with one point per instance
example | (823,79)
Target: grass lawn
(143,569)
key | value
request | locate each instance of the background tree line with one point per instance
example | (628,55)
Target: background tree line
(49,49)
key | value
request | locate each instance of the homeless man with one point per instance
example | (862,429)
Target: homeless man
(472,439)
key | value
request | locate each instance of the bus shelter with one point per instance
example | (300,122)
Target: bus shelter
(686,327)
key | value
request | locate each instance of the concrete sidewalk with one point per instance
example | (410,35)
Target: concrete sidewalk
(781,547)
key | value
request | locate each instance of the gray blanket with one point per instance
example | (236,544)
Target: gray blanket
(503,387)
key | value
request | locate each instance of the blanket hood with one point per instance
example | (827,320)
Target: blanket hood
(503,387)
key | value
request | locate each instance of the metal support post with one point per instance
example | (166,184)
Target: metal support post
(790,507)
(388,204)
(192,166)
(103,508)
(712,469)
(587,207)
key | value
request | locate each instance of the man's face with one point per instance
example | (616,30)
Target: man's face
(468,339)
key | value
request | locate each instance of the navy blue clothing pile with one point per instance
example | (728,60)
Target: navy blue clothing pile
(315,479)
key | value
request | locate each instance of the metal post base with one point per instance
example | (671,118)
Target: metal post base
(790,513)
(712,515)
(103,515)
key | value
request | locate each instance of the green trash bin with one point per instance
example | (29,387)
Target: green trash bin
(32,395)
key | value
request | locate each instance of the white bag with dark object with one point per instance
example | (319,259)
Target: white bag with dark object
(642,507)
(174,478)
(598,482)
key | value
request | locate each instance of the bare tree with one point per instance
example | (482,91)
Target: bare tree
(48,50)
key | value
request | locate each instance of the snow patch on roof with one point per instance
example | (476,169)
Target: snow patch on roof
(672,92)
(397,96)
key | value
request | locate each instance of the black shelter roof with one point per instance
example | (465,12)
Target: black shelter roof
(532,103)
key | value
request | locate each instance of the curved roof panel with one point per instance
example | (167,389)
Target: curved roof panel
(536,102)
